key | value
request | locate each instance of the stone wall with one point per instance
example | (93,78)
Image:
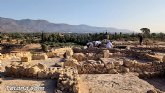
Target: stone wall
(14,55)
(113,66)
(27,70)
(90,54)
(59,52)
(68,81)
(67,78)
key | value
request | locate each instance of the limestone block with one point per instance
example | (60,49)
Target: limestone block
(106,53)
(71,62)
(110,65)
(50,54)
(128,63)
(34,70)
(42,74)
(118,63)
(154,57)
(61,51)
(39,57)
(112,71)
(69,52)
(79,56)
(125,69)
(25,59)
(41,66)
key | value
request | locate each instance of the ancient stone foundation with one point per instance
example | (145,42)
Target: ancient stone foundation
(39,57)
(67,78)
(86,61)
(35,71)
(113,66)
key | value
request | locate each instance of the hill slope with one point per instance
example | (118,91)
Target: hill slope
(28,25)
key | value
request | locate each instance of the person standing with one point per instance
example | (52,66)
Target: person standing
(140,39)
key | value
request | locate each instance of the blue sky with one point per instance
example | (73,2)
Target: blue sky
(124,14)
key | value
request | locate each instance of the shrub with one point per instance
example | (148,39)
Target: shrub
(44,47)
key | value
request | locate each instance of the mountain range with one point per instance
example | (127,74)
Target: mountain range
(29,25)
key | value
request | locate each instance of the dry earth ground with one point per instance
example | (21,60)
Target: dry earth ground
(44,86)
(113,83)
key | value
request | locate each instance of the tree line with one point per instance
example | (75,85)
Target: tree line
(77,38)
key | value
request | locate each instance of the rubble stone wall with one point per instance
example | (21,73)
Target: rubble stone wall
(26,70)
(111,66)
(14,55)
(61,51)
(67,78)
(154,49)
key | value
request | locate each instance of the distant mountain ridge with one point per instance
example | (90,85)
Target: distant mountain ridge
(28,25)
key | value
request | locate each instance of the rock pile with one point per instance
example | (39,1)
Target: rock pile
(102,66)
(68,81)
(94,55)
(15,55)
(70,62)
(119,65)
(91,67)
(79,56)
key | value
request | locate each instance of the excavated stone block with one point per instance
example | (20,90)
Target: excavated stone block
(25,59)
(39,57)
(79,56)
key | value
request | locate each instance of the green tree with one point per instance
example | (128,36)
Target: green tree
(145,31)
(44,47)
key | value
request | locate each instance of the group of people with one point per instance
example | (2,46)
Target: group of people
(109,43)
(99,44)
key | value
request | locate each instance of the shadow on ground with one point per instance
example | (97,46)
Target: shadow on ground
(158,83)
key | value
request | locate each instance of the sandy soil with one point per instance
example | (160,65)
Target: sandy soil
(113,83)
